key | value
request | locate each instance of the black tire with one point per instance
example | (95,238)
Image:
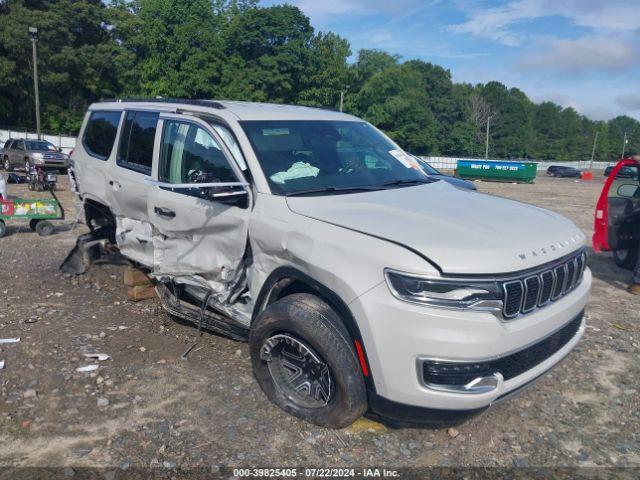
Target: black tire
(27,166)
(63,171)
(7,164)
(44,228)
(304,321)
(33,223)
(3,229)
(626,258)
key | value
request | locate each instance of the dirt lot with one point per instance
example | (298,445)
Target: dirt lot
(148,408)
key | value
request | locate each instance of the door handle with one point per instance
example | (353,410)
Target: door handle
(164,212)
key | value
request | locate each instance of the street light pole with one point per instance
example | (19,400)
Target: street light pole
(342,92)
(33,33)
(486,148)
(593,151)
(624,144)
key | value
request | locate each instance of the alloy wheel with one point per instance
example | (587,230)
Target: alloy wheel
(297,370)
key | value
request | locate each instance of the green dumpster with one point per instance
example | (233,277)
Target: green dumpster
(521,172)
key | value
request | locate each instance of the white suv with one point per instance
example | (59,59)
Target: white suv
(361,284)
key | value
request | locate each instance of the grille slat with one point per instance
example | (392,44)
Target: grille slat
(532,290)
(547,287)
(524,295)
(561,275)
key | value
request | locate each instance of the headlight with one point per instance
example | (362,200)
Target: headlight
(445,293)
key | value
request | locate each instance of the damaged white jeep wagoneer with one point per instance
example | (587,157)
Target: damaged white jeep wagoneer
(361,284)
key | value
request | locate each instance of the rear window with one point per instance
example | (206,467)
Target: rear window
(136,142)
(100,133)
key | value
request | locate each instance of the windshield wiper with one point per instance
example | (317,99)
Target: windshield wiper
(414,181)
(334,190)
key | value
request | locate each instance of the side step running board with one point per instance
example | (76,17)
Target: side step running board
(205,318)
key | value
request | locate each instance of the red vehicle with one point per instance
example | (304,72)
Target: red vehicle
(617,217)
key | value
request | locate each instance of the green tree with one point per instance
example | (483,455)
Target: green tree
(78,61)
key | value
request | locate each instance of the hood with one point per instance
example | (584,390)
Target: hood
(461,231)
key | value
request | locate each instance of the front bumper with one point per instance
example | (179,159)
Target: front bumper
(398,336)
(50,165)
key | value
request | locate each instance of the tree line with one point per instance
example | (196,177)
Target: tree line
(236,49)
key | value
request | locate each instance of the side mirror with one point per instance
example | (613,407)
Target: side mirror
(627,190)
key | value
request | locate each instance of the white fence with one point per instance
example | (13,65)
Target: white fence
(65,143)
(449,163)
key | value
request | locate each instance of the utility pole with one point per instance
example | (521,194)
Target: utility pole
(342,92)
(33,33)
(486,149)
(624,144)
(593,151)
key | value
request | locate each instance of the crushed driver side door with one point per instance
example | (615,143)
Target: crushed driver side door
(198,204)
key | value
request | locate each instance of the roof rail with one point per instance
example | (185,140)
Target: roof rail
(185,101)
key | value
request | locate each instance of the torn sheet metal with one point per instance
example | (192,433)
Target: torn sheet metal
(134,239)
(92,247)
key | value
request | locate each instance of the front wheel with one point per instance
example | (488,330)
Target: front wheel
(3,229)
(626,257)
(44,228)
(305,363)
(7,165)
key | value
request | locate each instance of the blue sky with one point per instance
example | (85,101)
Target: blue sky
(579,53)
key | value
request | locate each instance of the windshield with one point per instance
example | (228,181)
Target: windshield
(428,169)
(41,145)
(324,155)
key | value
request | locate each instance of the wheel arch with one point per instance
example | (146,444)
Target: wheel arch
(285,281)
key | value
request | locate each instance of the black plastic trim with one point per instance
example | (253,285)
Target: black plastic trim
(400,415)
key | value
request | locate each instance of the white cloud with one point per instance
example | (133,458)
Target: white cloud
(500,23)
(590,53)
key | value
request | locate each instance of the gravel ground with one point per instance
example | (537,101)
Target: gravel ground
(146,407)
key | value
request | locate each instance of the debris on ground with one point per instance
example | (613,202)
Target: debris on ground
(87,368)
(187,351)
(9,340)
(101,357)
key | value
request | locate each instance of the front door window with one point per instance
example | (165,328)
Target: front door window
(190,154)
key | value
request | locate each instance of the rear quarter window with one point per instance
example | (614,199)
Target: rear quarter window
(100,133)
(136,142)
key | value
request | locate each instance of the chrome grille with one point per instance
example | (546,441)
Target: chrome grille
(53,156)
(524,295)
